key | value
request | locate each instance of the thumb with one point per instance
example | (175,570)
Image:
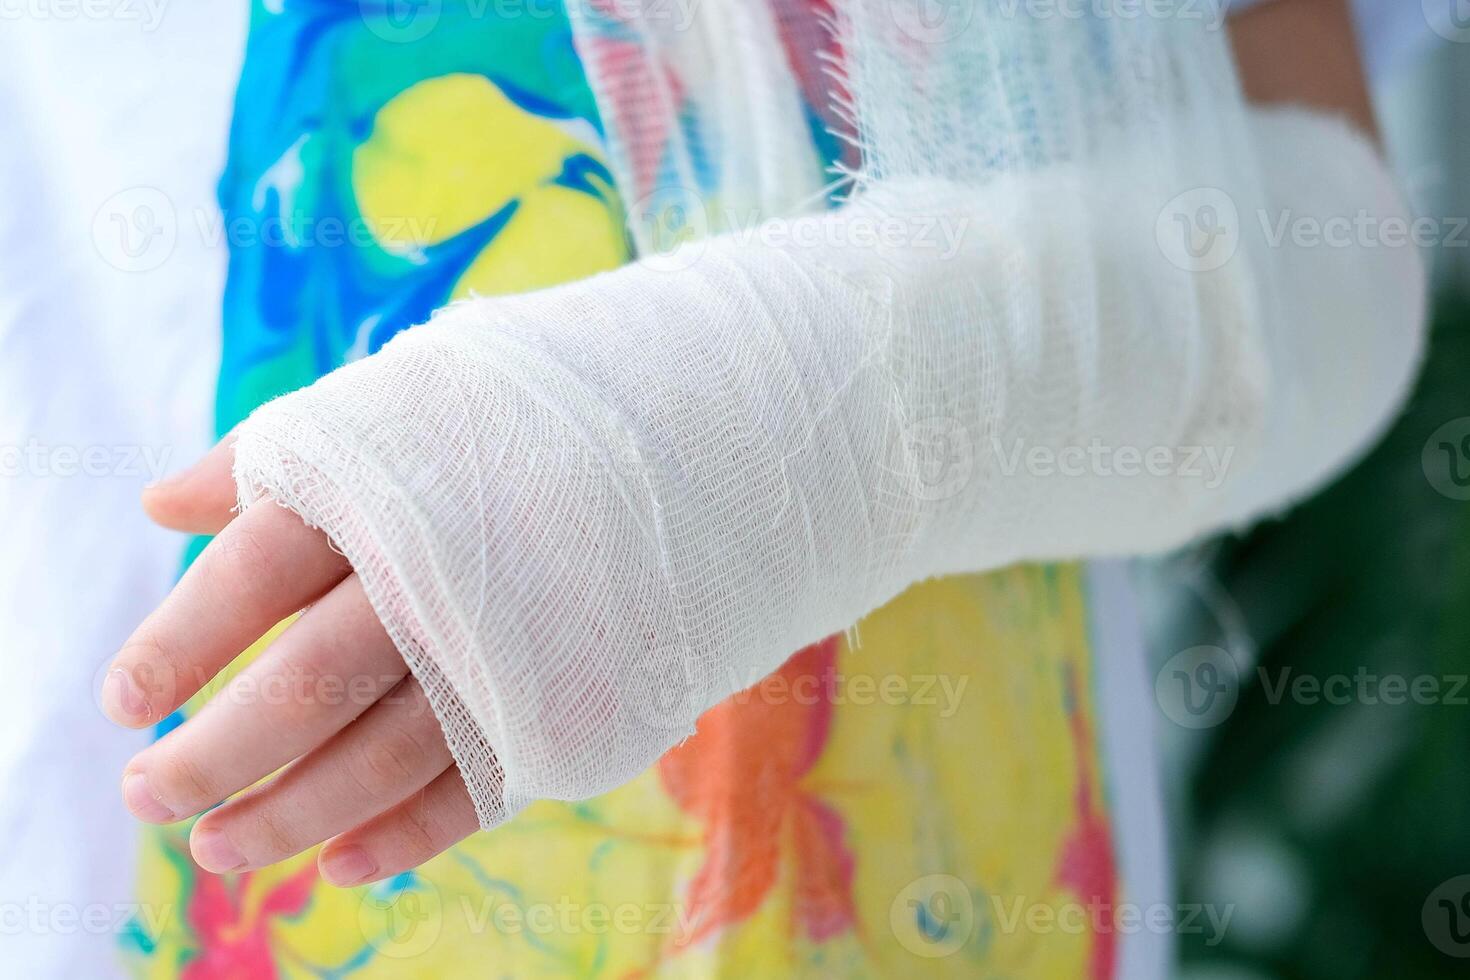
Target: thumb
(199,499)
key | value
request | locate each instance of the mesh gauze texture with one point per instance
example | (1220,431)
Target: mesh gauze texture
(586,515)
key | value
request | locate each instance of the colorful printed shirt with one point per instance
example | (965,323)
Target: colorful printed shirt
(899,805)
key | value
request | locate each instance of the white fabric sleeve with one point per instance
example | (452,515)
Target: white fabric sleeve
(586,515)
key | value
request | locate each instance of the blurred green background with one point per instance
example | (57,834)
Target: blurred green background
(1336,829)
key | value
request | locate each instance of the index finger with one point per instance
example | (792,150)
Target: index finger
(200,499)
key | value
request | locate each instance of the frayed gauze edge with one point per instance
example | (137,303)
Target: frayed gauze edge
(298,479)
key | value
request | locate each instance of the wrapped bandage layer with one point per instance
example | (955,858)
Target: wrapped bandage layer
(588,514)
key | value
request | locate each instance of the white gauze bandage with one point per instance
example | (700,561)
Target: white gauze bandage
(586,515)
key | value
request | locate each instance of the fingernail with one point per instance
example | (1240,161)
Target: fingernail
(213,852)
(124,701)
(347,865)
(140,800)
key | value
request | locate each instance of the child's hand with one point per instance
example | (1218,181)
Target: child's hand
(368,764)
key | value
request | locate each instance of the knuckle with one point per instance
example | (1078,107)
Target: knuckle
(179,780)
(387,761)
(291,689)
(277,836)
(245,564)
(245,550)
(421,832)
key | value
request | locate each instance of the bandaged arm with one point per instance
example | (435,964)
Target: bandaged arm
(588,514)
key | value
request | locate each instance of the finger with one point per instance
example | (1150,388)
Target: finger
(391,753)
(328,668)
(264,566)
(431,821)
(200,499)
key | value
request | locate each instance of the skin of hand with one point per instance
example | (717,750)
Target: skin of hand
(366,767)
(370,773)
(1303,52)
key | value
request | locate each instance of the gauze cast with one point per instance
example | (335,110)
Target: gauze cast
(588,514)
